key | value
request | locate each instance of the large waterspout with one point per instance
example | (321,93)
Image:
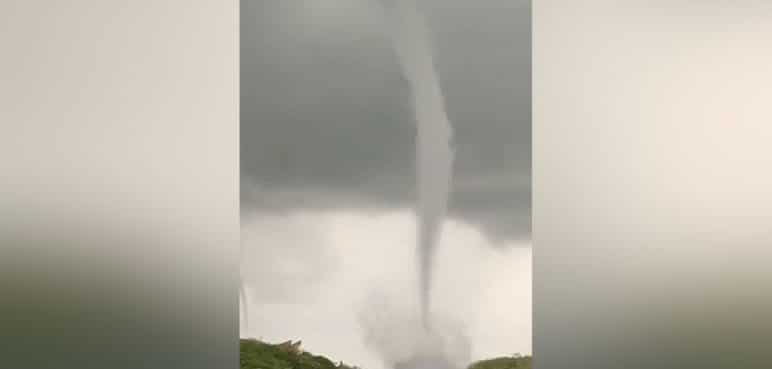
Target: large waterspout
(434,157)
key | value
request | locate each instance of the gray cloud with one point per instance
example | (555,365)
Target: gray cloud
(327,121)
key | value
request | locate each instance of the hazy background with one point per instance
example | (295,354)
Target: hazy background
(327,171)
(118,184)
(652,196)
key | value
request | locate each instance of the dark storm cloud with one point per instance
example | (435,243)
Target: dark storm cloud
(327,120)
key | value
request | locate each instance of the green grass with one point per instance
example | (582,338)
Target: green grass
(260,355)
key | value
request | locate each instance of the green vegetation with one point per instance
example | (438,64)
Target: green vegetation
(512,362)
(288,355)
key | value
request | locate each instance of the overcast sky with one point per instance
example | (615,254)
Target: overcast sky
(327,155)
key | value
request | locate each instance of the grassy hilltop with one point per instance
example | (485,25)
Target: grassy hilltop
(511,362)
(288,355)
